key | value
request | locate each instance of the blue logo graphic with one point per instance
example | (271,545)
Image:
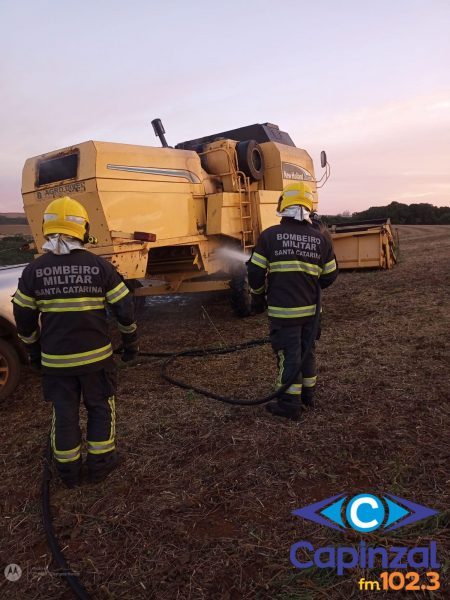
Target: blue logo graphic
(365,512)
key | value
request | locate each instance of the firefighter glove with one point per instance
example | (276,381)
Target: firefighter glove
(34,354)
(130,353)
(258,304)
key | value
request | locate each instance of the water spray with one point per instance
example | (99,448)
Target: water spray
(232,254)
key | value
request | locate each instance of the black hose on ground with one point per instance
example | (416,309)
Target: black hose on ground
(73,580)
(228,399)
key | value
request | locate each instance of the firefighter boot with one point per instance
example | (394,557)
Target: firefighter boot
(69,473)
(100,467)
(290,409)
(307,397)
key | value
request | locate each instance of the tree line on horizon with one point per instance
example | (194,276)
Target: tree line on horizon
(399,214)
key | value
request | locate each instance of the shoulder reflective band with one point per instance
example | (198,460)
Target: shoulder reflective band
(76,360)
(30,339)
(23,300)
(310,381)
(296,312)
(260,290)
(116,294)
(71,304)
(329,267)
(127,328)
(285,266)
(259,260)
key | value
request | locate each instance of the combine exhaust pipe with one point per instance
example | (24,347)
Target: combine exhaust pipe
(160,131)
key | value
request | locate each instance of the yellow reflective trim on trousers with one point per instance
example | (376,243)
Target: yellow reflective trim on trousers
(281,312)
(102,451)
(288,266)
(66,460)
(259,260)
(310,381)
(23,300)
(52,431)
(260,290)
(102,447)
(75,360)
(67,455)
(294,389)
(62,456)
(127,328)
(329,267)
(117,293)
(68,452)
(30,339)
(112,406)
(97,448)
(278,382)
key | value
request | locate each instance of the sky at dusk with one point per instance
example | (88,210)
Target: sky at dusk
(367,81)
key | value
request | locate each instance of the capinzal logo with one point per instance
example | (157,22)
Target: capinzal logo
(364,512)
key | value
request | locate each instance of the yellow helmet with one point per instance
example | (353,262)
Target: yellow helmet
(68,216)
(296,193)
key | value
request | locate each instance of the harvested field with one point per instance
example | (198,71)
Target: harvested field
(201,505)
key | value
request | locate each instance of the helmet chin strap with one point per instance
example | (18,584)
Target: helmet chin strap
(59,243)
(297,212)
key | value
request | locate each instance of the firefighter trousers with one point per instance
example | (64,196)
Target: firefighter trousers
(98,392)
(289,343)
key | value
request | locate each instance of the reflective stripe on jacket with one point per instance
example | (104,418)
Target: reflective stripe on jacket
(287,263)
(61,303)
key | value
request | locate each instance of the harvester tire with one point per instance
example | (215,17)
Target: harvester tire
(9,369)
(250,159)
(240,298)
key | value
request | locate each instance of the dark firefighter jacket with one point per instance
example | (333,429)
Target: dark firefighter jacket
(294,256)
(60,304)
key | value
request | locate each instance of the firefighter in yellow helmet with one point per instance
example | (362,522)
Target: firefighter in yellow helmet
(60,312)
(288,262)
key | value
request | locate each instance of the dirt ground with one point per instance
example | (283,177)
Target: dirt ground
(201,505)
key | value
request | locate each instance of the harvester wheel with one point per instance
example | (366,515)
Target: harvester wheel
(250,159)
(9,369)
(240,298)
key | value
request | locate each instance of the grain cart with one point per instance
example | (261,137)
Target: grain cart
(364,244)
(160,213)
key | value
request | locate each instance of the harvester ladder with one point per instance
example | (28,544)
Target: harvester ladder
(248,235)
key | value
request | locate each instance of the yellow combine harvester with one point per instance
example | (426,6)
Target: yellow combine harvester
(160,214)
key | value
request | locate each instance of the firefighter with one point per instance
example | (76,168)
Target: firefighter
(60,312)
(287,264)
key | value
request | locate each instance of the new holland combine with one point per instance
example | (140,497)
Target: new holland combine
(160,213)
